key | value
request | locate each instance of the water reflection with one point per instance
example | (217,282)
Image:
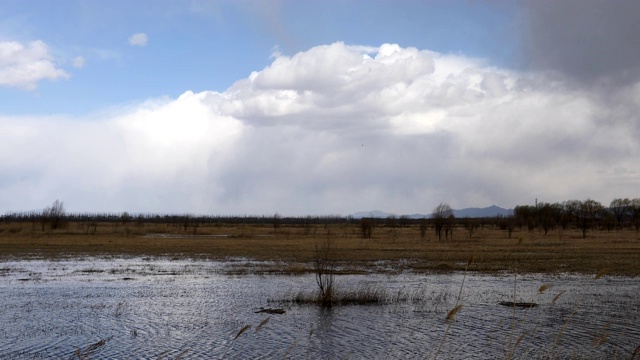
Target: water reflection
(188,309)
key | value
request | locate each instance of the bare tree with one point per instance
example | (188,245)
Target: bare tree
(634,213)
(186,221)
(571,209)
(424,224)
(392,222)
(404,221)
(448,227)
(277,220)
(54,215)
(588,212)
(526,216)
(511,225)
(547,217)
(126,218)
(442,219)
(366,226)
(621,209)
(470,225)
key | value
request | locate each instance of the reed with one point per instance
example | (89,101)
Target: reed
(242,331)
(359,296)
(262,323)
(454,311)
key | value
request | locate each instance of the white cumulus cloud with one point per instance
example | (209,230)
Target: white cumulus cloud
(139,39)
(336,129)
(24,65)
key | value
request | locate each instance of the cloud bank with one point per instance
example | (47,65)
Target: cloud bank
(588,41)
(336,129)
(24,65)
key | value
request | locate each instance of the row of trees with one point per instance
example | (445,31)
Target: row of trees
(584,215)
(57,217)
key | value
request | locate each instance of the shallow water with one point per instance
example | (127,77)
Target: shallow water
(162,309)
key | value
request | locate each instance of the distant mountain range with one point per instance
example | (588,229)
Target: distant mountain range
(491,211)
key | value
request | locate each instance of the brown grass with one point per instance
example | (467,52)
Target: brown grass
(292,248)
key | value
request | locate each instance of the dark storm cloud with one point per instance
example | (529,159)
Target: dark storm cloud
(589,41)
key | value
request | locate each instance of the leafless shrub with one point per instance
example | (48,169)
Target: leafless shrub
(324,273)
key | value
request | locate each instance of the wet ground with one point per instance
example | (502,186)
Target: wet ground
(163,309)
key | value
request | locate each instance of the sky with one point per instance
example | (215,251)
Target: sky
(316,107)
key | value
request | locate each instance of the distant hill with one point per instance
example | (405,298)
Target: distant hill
(491,211)
(370,214)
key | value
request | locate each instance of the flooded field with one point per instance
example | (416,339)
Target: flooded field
(131,308)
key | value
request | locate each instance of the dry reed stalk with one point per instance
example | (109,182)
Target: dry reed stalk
(555,298)
(452,313)
(89,350)
(286,353)
(262,323)
(181,354)
(601,335)
(564,327)
(518,340)
(242,331)
(512,349)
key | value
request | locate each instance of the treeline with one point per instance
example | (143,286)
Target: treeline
(584,215)
(149,218)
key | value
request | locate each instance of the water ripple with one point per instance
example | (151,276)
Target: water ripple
(194,313)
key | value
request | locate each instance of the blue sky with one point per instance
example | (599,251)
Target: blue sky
(208,45)
(316,107)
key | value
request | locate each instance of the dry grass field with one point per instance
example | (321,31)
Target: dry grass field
(291,249)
